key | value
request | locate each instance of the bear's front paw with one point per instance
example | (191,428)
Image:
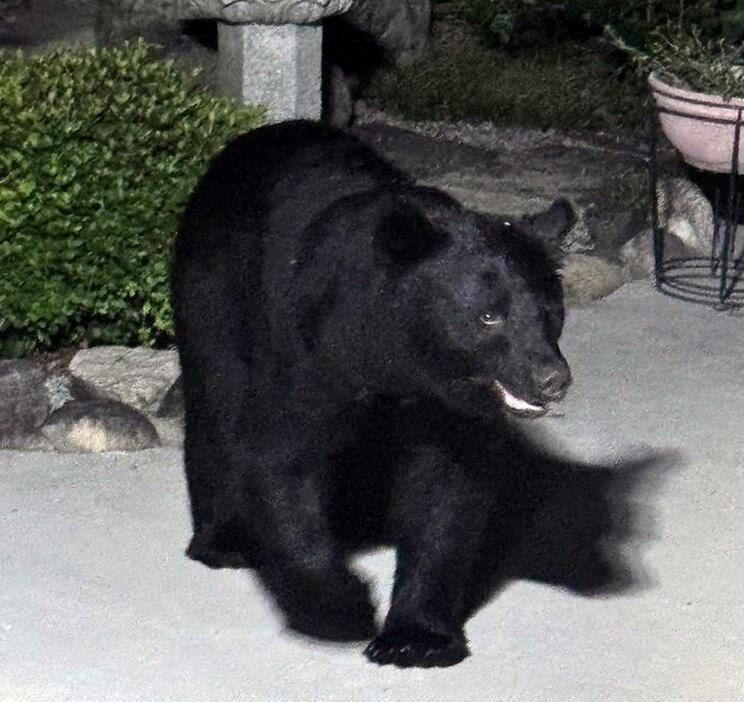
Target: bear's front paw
(415,647)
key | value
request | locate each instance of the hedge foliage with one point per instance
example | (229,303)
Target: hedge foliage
(99,150)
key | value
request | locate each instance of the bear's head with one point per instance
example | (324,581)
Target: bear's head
(485,307)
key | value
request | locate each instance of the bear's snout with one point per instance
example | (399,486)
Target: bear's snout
(552,380)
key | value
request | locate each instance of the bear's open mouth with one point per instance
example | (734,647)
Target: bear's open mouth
(516,404)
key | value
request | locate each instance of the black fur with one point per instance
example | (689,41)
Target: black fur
(339,374)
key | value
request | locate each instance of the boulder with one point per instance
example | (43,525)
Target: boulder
(685,212)
(92,426)
(138,377)
(637,254)
(399,27)
(172,404)
(24,399)
(588,278)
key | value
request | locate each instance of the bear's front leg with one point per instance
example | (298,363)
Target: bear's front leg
(440,516)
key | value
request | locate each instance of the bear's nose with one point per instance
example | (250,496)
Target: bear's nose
(553,380)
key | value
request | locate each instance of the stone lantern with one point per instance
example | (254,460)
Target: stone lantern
(270,51)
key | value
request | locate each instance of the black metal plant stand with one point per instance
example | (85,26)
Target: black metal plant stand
(712,280)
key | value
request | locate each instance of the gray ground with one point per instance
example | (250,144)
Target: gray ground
(506,171)
(98,604)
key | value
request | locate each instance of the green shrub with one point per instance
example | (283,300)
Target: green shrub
(98,153)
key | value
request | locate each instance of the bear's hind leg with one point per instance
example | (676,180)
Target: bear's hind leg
(218,541)
(300,563)
(258,498)
(223,546)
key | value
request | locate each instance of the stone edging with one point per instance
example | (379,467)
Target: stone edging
(107,398)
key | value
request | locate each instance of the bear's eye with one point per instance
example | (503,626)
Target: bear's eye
(491,319)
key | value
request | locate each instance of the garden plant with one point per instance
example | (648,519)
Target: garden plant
(99,150)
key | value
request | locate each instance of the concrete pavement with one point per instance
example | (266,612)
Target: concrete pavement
(98,604)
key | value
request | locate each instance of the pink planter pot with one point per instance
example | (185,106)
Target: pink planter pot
(700,126)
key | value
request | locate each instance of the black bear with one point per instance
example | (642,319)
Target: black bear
(350,342)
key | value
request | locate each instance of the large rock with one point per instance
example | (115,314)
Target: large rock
(637,254)
(61,389)
(92,426)
(138,377)
(685,212)
(25,441)
(170,431)
(400,27)
(172,404)
(589,278)
(24,399)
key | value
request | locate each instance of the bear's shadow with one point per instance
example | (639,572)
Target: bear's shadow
(557,521)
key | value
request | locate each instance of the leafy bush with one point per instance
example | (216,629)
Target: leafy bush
(98,153)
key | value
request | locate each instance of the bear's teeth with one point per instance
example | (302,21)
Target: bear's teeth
(516,403)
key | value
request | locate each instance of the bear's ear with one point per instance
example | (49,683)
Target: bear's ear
(550,227)
(406,237)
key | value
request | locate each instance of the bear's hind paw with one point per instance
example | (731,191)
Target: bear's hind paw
(204,550)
